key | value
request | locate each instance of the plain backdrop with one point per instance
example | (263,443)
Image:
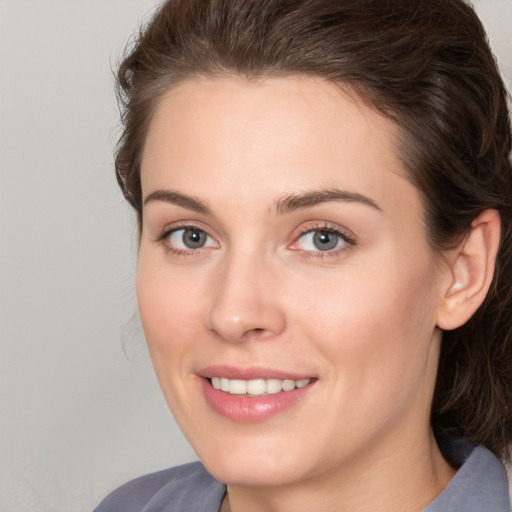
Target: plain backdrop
(80,409)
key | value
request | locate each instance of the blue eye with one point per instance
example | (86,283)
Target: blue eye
(321,240)
(189,238)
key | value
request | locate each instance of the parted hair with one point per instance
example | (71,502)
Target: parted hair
(424,64)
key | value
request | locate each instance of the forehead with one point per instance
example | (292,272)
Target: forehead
(234,138)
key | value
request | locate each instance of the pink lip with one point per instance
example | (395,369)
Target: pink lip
(233,372)
(250,409)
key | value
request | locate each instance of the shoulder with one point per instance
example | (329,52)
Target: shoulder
(184,488)
(479,485)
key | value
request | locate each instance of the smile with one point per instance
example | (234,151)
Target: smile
(253,394)
(257,387)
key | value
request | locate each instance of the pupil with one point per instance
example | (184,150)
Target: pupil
(193,238)
(325,241)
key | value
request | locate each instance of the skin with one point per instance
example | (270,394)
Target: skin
(361,318)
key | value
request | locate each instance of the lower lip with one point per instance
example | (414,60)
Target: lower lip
(249,409)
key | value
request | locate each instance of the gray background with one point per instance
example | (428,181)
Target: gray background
(80,409)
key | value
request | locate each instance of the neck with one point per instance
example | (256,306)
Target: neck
(406,478)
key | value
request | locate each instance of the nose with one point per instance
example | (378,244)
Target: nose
(245,302)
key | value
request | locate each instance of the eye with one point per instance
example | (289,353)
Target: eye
(189,238)
(321,240)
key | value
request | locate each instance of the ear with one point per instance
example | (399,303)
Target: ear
(471,269)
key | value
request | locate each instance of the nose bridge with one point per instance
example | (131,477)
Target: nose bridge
(244,303)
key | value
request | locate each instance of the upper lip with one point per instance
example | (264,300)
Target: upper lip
(250,373)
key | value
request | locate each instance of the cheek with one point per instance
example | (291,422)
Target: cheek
(170,310)
(374,327)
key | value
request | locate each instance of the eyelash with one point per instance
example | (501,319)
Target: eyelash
(166,233)
(348,240)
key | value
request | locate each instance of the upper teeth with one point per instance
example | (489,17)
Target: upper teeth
(257,387)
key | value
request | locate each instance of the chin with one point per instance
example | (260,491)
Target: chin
(253,473)
(256,461)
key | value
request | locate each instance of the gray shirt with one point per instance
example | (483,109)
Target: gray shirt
(480,485)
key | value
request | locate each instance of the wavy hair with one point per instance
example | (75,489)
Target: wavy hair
(425,64)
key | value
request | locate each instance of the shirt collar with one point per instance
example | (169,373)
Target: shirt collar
(479,485)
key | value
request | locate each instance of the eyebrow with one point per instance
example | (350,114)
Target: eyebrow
(287,204)
(304,200)
(172,197)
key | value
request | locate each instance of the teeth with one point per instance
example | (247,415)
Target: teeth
(302,383)
(273,386)
(237,387)
(257,387)
(224,384)
(288,385)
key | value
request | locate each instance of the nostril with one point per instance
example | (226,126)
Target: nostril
(257,333)
(242,320)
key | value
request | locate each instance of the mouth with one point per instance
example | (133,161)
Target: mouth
(253,394)
(257,387)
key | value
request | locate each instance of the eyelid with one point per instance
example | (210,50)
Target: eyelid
(346,235)
(164,235)
(167,229)
(174,239)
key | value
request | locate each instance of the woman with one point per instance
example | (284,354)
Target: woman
(324,197)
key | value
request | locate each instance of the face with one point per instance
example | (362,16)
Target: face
(283,259)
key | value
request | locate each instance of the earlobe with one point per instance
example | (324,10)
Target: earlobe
(471,269)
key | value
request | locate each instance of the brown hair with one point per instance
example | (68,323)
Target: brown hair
(426,65)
